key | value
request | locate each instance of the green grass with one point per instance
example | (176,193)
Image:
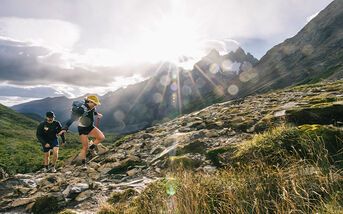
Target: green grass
(20,151)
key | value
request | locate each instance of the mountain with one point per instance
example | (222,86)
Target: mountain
(263,148)
(312,55)
(170,92)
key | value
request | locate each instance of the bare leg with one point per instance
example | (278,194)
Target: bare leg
(55,155)
(84,141)
(98,136)
(46,158)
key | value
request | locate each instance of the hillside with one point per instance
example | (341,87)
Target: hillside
(281,151)
(314,54)
(20,151)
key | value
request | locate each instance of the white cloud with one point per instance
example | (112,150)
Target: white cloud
(14,100)
(53,34)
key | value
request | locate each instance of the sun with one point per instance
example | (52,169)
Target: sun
(169,38)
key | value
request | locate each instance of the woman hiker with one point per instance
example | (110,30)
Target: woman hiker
(46,134)
(84,112)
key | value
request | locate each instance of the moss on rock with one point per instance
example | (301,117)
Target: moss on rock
(213,154)
(121,197)
(324,114)
(181,162)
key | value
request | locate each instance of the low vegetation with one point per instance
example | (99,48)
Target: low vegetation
(285,170)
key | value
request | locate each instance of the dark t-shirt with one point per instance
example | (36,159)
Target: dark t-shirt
(47,132)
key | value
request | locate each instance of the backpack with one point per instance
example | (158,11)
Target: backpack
(78,107)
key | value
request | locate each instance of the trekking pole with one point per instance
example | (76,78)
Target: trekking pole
(97,122)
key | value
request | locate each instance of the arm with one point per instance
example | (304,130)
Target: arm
(98,114)
(39,134)
(59,129)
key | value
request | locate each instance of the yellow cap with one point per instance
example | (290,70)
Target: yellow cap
(93,98)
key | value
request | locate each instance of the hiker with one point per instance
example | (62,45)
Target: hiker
(47,135)
(84,112)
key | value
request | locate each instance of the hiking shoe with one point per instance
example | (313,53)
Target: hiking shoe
(45,170)
(53,169)
(84,167)
(93,152)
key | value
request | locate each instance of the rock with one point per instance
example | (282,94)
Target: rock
(48,203)
(3,174)
(22,201)
(132,172)
(83,195)
(209,169)
(80,187)
(147,136)
(195,146)
(156,150)
(74,189)
(211,133)
(23,190)
(280,113)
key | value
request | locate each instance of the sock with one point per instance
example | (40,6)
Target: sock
(46,166)
(92,146)
(83,161)
(53,165)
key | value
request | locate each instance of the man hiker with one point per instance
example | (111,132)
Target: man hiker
(47,135)
(84,113)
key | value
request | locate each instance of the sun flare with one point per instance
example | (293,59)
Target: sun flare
(170,38)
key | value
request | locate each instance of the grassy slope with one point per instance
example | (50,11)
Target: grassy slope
(20,152)
(289,169)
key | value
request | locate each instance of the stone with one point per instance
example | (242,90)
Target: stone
(22,201)
(132,172)
(211,133)
(209,169)
(83,195)
(47,203)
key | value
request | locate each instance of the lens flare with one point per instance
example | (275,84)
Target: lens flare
(214,68)
(165,80)
(246,76)
(173,87)
(157,97)
(246,66)
(233,89)
(171,186)
(119,115)
(186,90)
(227,64)
(307,50)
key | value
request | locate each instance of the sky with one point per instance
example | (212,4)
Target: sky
(73,47)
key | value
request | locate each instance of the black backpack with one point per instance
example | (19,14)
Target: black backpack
(78,107)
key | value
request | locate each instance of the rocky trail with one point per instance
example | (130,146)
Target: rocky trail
(145,156)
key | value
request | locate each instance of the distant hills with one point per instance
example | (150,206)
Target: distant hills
(170,92)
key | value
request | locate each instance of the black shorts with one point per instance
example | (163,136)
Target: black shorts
(85,130)
(53,143)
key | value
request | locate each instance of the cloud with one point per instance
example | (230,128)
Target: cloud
(49,33)
(29,92)
(24,64)
(14,100)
